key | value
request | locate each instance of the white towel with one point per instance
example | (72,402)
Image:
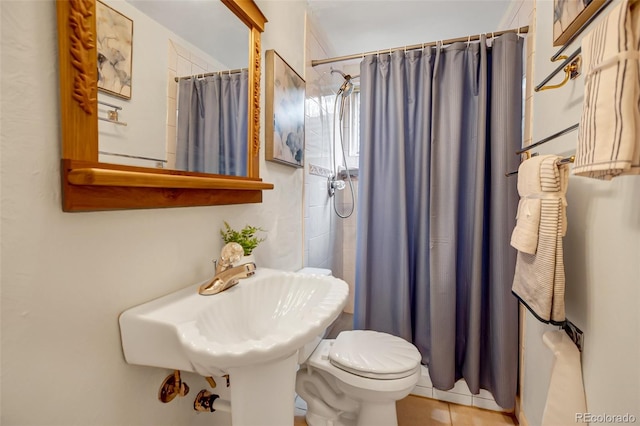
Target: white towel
(539,278)
(525,235)
(565,400)
(609,135)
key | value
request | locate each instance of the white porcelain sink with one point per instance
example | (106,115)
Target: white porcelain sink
(252,331)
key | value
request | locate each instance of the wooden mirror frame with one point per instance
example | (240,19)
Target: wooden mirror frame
(89,185)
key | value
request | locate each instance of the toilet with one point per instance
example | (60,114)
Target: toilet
(356,379)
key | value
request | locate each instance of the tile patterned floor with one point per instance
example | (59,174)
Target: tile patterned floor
(419,411)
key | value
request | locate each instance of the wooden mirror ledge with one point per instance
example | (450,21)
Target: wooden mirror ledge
(89,185)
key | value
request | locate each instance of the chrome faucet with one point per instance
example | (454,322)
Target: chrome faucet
(227,275)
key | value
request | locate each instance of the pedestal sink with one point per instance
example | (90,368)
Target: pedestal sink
(256,332)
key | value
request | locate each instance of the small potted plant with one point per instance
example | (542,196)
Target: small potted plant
(246,237)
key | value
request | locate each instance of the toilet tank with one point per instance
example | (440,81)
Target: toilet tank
(308,349)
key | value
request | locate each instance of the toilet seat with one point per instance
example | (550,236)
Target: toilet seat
(374,355)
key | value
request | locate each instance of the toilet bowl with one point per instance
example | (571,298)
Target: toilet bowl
(356,379)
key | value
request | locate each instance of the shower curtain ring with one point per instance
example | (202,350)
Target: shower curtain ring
(469,41)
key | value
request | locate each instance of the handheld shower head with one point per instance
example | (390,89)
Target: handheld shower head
(347,86)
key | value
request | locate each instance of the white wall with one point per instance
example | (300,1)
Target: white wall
(601,255)
(67,276)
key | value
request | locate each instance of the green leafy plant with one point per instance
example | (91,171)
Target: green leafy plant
(245,237)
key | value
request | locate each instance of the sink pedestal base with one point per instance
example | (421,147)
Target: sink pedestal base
(263,394)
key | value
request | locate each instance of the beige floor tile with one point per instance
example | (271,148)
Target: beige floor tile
(418,411)
(469,416)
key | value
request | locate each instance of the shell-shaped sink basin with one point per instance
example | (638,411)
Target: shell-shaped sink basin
(264,318)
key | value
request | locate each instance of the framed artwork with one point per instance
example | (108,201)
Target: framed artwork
(570,15)
(115,49)
(284,112)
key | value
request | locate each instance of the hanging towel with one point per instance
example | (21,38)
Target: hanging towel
(608,139)
(525,235)
(565,400)
(539,278)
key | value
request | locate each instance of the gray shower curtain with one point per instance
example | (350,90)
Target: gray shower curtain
(212,124)
(439,128)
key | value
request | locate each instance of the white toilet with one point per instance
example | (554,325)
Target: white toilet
(356,379)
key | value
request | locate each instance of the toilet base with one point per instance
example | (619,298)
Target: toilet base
(318,420)
(378,414)
(372,414)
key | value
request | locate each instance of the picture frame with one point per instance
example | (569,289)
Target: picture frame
(114,33)
(570,15)
(284,112)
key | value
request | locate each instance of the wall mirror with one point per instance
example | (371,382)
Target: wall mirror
(106,165)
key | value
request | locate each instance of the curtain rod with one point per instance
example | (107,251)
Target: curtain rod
(521,30)
(209,74)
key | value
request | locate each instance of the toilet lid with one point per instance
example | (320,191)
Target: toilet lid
(374,355)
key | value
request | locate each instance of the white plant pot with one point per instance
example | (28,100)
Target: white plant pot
(247,259)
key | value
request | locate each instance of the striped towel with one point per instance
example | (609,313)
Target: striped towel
(525,234)
(539,278)
(609,135)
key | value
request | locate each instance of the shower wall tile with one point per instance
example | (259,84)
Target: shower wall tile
(337,258)
(319,249)
(313,129)
(460,388)
(484,394)
(320,171)
(182,51)
(456,398)
(487,404)
(313,87)
(172,84)
(171,114)
(317,221)
(318,195)
(307,192)
(171,139)
(172,56)
(196,69)
(183,66)
(307,227)
(425,380)
(422,391)
(459,394)
(171,160)
(199,62)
